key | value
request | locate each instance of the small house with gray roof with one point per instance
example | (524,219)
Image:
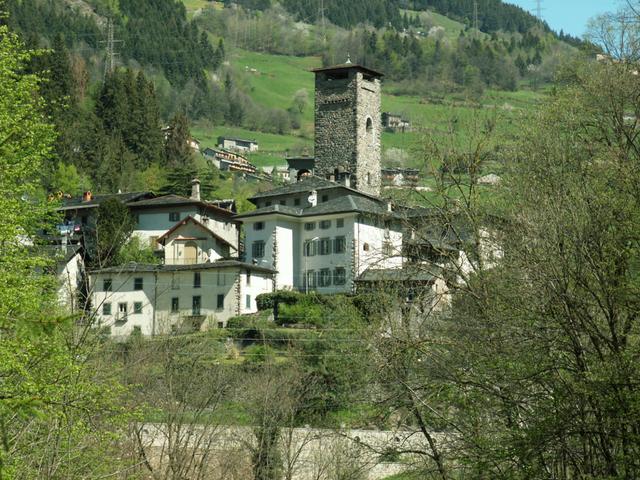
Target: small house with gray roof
(321,235)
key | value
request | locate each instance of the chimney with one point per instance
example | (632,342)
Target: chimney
(313,198)
(87,196)
(346,179)
(195,189)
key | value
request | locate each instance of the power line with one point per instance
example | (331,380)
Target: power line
(110,60)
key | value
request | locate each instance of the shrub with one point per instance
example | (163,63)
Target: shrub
(266,301)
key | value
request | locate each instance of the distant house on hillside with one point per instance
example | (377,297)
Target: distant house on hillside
(238,144)
(400,177)
(395,122)
(228,161)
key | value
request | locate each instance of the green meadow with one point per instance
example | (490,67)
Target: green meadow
(274,80)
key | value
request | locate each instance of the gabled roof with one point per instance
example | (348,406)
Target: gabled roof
(306,184)
(177,200)
(344,204)
(280,209)
(198,224)
(133,267)
(126,198)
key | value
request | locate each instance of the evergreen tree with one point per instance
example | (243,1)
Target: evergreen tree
(178,153)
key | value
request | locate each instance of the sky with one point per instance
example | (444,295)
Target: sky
(569,15)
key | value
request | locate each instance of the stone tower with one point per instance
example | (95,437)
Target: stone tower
(348,126)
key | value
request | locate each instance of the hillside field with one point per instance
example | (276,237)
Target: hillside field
(273,80)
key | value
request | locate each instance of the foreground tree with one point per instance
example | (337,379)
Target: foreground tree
(533,372)
(55,410)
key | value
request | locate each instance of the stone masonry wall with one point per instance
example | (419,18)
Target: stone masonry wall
(342,107)
(368,168)
(335,125)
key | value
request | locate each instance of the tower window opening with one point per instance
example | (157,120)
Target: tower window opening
(369,125)
(337,75)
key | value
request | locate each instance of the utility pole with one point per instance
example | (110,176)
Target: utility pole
(539,9)
(322,22)
(111,54)
(475,15)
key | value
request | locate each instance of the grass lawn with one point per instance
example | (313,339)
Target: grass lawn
(277,78)
(193,6)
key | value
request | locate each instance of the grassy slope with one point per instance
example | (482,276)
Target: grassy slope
(278,78)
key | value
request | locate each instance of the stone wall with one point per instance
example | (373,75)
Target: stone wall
(307,453)
(343,140)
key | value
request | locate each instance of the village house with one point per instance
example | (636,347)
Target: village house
(400,177)
(394,122)
(228,161)
(238,144)
(79,213)
(191,242)
(155,216)
(162,299)
(320,235)
(299,167)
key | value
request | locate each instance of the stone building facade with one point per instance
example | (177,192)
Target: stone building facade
(348,126)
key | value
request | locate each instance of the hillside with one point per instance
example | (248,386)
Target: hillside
(245,72)
(273,80)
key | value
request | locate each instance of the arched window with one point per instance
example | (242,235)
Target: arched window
(369,125)
(368,178)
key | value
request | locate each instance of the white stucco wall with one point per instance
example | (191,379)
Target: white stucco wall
(69,282)
(209,248)
(332,261)
(370,240)
(155,223)
(291,236)
(159,291)
(256,284)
